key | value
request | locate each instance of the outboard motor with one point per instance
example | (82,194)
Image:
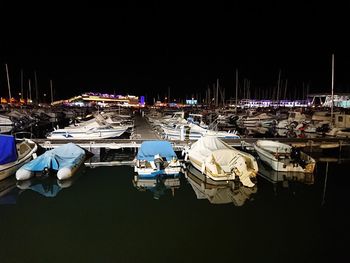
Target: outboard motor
(295,153)
(295,156)
(158,161)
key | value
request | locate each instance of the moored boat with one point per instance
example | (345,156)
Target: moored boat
(221,162)
(14,154)
(86,133)
(157,158)
(283,157)
(65,160)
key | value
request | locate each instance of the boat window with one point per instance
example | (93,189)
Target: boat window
(340,118)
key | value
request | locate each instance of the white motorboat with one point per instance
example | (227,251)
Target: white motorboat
(5,120)
(81,133)
(157,158)
(283,157)
(14,154)
(193,131)
(221,162)
(261,119)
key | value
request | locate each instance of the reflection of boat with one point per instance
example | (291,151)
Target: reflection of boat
(47,186)
(157,157)
(283,157)
(158,184)
(221,162)
(8,193)
(281,176)
(14,154)
(65,159)
(219,192)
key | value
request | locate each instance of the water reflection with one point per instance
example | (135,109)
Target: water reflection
(278,176)
(158,185)
(218,192)
(8,191)
(48,186)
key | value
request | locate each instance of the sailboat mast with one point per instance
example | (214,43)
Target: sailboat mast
(36,88)
(8,82)
(22,95)
(30,91)
(236,91)
(217,93)
(278,87)
(51,91)
(332,87)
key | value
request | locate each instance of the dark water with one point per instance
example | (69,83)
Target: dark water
(102,216)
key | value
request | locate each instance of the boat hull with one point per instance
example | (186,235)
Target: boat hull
(11,168)
(283,163)
(66,160)
(85,136)
(151,173)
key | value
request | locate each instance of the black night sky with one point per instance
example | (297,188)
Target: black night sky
(143,50)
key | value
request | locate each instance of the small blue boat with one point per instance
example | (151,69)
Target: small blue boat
(65,159)
(157,158)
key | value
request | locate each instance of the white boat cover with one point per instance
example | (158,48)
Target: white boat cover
(206,145)
(216,155)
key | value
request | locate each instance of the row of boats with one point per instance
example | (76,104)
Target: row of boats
(21,119)
(230,192)
(87,125)
(177,127)
(98,126)
(20,157)
(173,125)
(209,155)
(215,170)
(252,122)
(220,162)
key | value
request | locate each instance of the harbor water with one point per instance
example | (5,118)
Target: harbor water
(104,216)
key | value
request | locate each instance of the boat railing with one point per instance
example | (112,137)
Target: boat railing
(213,125)
(22,135)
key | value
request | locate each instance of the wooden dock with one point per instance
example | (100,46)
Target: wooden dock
(143,130)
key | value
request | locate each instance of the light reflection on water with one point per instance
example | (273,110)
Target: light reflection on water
(105,215)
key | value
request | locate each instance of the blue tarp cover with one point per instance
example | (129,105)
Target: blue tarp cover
(8,151)
(64,156)
(149,149)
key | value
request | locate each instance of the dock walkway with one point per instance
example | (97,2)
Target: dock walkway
(143,130)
